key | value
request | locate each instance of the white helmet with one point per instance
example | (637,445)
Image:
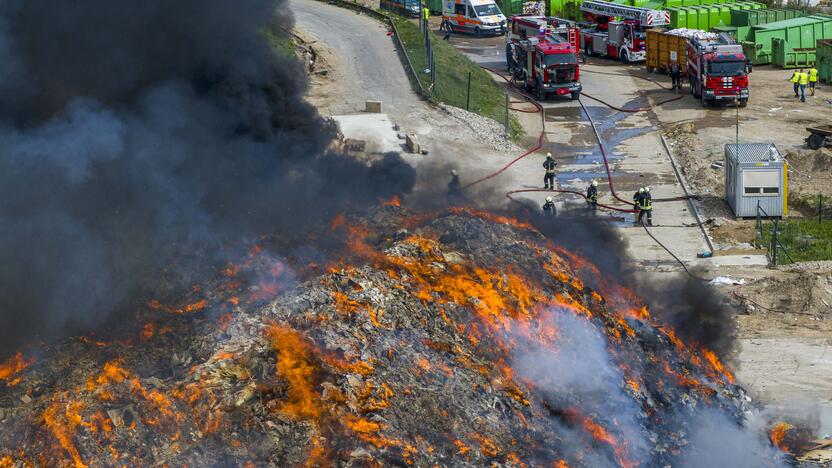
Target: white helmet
(549,199)
(548,155)
(646,189)
(641,190)
(594,183)
(453,172)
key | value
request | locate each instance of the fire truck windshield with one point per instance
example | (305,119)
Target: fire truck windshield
(726,68)
(560,59)
(487,10)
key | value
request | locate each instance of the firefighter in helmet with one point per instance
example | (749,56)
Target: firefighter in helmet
(549,206)
(549,178)
(645,206)
(454,186)
(637,196)
(592,195)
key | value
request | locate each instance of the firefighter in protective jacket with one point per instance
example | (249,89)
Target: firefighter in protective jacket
(645,206)
(592,195)
(549,178)
(549,206)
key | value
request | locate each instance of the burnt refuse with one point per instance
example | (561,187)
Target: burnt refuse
(457,338)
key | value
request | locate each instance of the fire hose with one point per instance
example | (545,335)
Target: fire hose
(539,145)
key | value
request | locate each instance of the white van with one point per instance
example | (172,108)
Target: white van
(474,16)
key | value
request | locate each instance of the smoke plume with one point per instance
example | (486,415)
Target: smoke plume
(132,133)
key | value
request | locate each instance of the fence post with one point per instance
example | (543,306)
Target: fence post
(820,207)
(468,97)
(774,244)
(506,119)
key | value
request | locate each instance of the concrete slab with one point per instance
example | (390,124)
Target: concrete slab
(789,373)
(375,129)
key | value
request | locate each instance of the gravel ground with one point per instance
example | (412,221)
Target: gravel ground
(486,130)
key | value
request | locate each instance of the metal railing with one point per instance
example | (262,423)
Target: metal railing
(773,244)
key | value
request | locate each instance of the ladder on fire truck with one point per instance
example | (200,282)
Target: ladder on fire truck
(645,16)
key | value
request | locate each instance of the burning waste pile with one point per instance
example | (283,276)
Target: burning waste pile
(457,338)
(142,143)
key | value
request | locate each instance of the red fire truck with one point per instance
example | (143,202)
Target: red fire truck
(717,70)
(619,30)
(545,65)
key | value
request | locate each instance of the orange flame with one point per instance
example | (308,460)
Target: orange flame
(294,364)
(13,365)
(778,435)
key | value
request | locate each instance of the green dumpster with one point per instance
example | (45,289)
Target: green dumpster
(713,18)
(678,18)
(823,58)
(785,57)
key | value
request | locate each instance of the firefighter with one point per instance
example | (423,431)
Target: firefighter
(803,81)
(549,178)
(592,195)
(645,206)
(637,196)
(813,79)
(549,206)
(675,75)
(794,80)
(454,187)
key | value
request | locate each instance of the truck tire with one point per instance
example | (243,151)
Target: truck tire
(624,56)
(576,95)
(478,32)
(588,50)
(743,102)
(815,141)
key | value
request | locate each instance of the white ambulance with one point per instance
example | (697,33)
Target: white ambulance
(479,17)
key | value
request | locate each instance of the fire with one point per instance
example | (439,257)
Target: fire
(600,434)
(186,309)
(13,365)
(491,217)
(778,435)
(294,364)
(62,419)
(717,365)
(393,201)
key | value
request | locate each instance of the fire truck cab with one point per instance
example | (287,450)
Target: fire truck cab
(717,71)
(619,31)
(474,16)
(546,65)
(622,40)
(522,27)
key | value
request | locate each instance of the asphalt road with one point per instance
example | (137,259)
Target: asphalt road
(370,66)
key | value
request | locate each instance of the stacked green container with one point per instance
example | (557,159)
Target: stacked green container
(798,33)
(785,57)
(823,59)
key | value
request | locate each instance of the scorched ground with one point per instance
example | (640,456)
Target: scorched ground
(451,339)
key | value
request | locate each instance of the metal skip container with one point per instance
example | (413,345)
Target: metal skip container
(756,174)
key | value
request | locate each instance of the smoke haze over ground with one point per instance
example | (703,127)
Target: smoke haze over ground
(133,132)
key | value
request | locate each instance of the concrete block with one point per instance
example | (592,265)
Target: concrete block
(372,106)
(411,144)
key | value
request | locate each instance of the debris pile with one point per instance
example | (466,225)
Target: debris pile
(460,338)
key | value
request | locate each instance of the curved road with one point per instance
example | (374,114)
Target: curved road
(364,51)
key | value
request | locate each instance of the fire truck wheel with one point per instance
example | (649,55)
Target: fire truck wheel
(588,50)
(815,141)
(576,95)
(743,102)
(625,56)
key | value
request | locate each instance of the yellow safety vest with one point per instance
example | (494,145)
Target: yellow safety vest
(426,13)
(795,77)
(813,75)
(804,78)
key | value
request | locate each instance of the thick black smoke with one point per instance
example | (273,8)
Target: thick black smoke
(135,132)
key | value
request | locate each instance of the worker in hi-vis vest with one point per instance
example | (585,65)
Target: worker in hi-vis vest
(794,81)
(804,80)
(813,79)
